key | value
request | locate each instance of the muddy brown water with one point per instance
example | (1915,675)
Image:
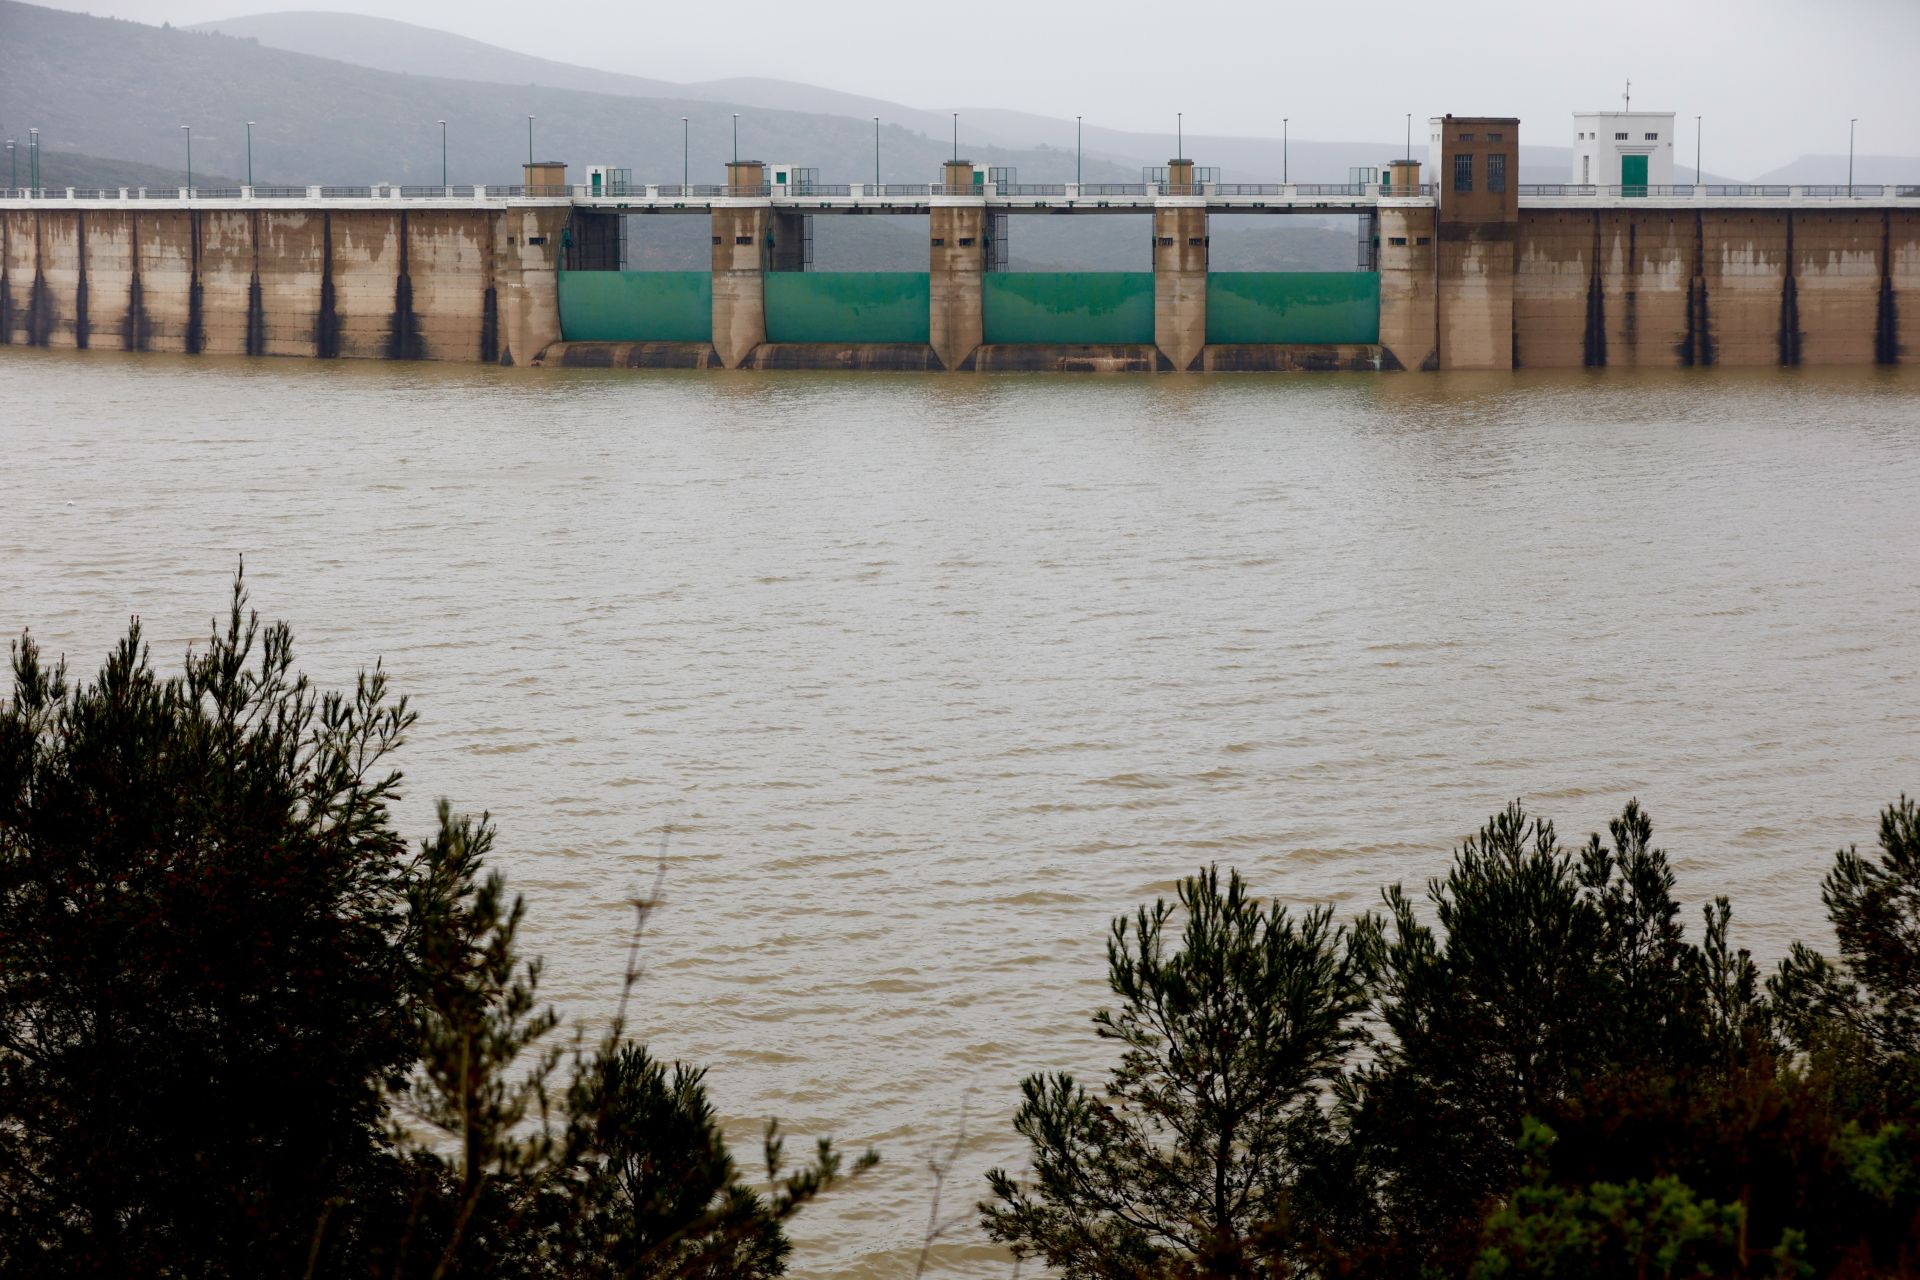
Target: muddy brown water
(931,677)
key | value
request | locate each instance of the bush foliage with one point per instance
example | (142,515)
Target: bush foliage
(246,1031)
(1535,1071)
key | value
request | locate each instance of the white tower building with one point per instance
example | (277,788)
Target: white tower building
(1623,148)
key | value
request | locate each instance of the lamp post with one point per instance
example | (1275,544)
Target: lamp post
(1076,151)
(33,160)
(13,169)
(876,151)
(1409,137)
(1283,150)
(249,155)
(736,138)
(189,131)
(1698,177)
(956,137)
(443,155)
(1180,135)
(529,141)
(1850,124)
(686,134)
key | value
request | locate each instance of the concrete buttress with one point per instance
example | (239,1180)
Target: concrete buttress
(739,281)
(1180,282)
(1407,331)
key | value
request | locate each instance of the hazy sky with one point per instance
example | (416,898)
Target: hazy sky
(1773,78)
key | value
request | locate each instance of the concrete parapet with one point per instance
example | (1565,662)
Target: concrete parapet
(1180,283)
(957,259)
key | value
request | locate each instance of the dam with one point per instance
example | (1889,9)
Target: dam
(1474,272)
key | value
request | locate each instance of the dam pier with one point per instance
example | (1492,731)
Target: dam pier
(1466,270)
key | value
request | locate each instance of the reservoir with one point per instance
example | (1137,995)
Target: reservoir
(924,680)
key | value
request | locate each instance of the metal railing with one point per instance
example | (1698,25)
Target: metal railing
(1302,191)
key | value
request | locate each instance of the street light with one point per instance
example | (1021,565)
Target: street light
(956,137)
(876,151)
(33,160)
(686,134)
(1409,137)
(249,155)
(1076,151)
(189,129)
(1850,124)
(13,169)
(443,156)
(1179,135)
(1283,150)
(736,143)
(529,143)
(1698,177)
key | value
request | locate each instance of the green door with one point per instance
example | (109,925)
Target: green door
(1633,175)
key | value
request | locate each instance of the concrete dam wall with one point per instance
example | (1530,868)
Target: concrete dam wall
(1623,285)
(400,284)
(1678,288)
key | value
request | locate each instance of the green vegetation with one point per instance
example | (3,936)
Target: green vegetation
(246,1031)
(1535,1073)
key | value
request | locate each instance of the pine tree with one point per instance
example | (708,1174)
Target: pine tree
(1188,1161)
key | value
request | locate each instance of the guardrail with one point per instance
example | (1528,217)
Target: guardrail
(1723,191)
(1092,191)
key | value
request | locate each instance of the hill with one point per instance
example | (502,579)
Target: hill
(60,169)
(386,44)
(107,87)
(1833,169)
